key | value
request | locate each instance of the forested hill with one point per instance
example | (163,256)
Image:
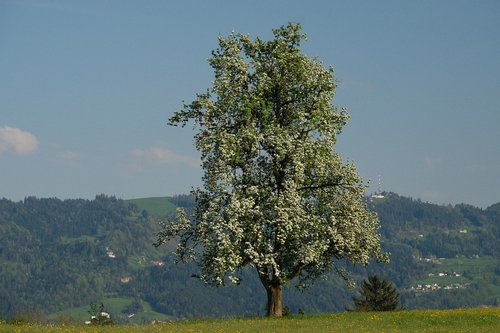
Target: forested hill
(61,254)
(443,231)
(56,254)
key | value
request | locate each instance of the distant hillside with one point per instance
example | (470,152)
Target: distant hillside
(57,254)
(442,256)
(61,255)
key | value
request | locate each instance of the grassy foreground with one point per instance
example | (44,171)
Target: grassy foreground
(458,320)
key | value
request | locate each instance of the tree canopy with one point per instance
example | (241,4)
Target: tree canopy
(276,195)
(377,295)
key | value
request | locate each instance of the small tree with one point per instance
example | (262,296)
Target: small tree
(378,295)
(276,195)
(98,316)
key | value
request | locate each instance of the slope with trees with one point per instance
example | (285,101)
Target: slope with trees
(53,257)
(56,254)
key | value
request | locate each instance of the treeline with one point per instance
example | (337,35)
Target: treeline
(57,254)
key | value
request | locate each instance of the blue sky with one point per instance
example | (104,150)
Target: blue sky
(86,88)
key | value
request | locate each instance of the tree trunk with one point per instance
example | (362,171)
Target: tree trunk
(274,293)
(274,301)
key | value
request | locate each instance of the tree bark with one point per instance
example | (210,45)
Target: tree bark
(274,293)
(274,301)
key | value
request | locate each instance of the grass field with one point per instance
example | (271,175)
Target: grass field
(156,206)
(470,270)
(459,320)
(114,305)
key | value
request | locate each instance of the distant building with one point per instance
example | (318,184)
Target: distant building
(110,253)
(158,263)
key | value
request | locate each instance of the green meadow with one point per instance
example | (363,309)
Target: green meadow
(469,270)
(156,206)
(115,305)
(457,320)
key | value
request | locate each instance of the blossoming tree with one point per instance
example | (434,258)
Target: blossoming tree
(276,195)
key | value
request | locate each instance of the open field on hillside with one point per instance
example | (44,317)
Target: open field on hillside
(116,306)
(458,320)
(156,206)
(461,270)
(461,273)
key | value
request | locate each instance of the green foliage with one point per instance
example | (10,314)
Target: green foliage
(286,311)
(134,307)
(276,196)
(377,295)
(98,315)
